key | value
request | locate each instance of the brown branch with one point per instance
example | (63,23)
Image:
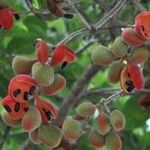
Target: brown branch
(110,91)
(75,92)
(138,5)
(98,25)
(83,19)
(113,22)
(110,14)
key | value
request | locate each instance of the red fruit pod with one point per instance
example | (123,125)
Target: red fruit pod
(144,101)
(6,16)
(47,109)
(15,109)
(136,76)
(41,49)
(142,24)
(62,54)
(21,87)
(130,37)
(125,81)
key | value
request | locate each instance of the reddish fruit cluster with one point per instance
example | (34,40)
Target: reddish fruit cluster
(106,130)
(62,54)
(34,76)
(127,55)
(7,16)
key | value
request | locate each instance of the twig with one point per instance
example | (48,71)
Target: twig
(81,16)
(110,14)
(5,136)
(138,5)
(73,35)
(98,25)
(110,91)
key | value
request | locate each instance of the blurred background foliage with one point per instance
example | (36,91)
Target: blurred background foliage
(19,41)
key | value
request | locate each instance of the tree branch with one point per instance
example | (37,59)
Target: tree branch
(97,25)
(138,5)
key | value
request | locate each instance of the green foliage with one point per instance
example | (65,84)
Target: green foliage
(19,41)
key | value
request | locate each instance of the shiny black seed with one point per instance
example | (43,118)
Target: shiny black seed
(69,16)
(16,92)
(17,107)
(64,65)
(17,17)
(7,108)
(26,109)
(48,115)
(26,96)
(129,89)
(129,83)
(32,89)
(142,28)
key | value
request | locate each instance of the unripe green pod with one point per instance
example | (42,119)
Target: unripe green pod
(102,56)
(119,48)
(139,55)
(102,124)
(9,121)
(113,141)
(71,129)
(114,71)
(117,120)
(33,136)
(50,135)
(31,120)
(58,84)
(22,65)
(85,109)
(43,74)
(95,139)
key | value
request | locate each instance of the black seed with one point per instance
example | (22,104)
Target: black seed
(17,17)
(17,107)
(129,83)
(64,65)
(26,96)
(32,89)
(16,92)
(69,16)
(26,109)
(48,115)
(129,89)
(7,108)
(142,28)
